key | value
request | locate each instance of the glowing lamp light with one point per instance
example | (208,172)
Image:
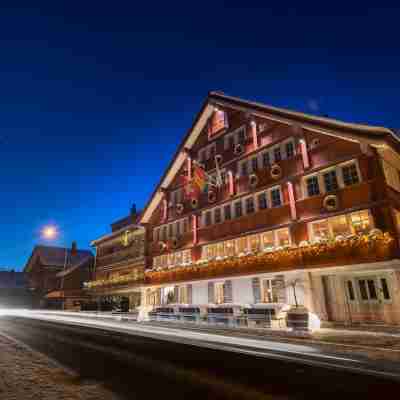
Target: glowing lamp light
(49,232)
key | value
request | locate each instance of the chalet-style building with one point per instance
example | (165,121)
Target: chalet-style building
(56,275)
(119,266)
(305,201)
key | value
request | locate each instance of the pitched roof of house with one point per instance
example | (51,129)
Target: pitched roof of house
(53,256)
(374,135)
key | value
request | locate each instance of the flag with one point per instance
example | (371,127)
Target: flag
(199,178)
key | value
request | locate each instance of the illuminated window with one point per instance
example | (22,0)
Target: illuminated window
(219,292)
(320,230)
(312,186)
(268,240)
(178,258)
(171,259)
(360,221)
(183,295)
(339,226)
(255,242)
(282,237)
(187,256)
(350,174)
(269,292)
(220,249)
(241,245)
(230,248)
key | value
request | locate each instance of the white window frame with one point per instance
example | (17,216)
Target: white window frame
(348,218)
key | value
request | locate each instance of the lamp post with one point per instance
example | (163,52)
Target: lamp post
(50,233)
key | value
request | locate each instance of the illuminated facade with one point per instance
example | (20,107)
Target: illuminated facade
(119,266)
(302,197)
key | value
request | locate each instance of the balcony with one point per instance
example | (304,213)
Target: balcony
(134,277)
(130,254)
(373,247)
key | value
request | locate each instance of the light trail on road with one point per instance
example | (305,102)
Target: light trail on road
(301,353)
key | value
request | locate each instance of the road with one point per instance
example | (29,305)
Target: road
(150,359)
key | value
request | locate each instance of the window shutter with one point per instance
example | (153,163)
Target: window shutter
(256,289)
(228,292)
(211,298)
(176,294)
(189,294)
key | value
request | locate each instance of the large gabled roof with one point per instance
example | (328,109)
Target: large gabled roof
(53,256)
(374,135)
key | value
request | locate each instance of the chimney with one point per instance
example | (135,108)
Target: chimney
(133,210)
(74,248)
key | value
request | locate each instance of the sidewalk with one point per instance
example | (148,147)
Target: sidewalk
(28,375)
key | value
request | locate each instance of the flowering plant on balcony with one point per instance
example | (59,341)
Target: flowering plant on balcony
(136,276)
(375,246)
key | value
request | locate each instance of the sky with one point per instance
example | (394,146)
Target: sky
(95,97)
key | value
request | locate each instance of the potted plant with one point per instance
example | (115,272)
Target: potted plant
(297,317)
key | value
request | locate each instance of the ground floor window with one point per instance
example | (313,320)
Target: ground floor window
(269,293)
(368,289)
(219,292)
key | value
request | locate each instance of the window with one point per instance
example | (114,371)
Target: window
(350,291)
(155,234)
(321,230)
(277,154)
(244,169)
(183,295)
(185,225)
(170,230)
(238,209)
(339,226)
(266,160)
(262,201)
(217,215)
(200,156)
(254,164)
(219,292)
(350,174)
(250,205)
(282,237)
(385,289)
(363,289)
(255,243)
(269,292)
(360,221)
(330,181)
(241,245)
(230,248)
(312,186)
(207,220)
(177,228)
(268,240)
(276,200)
(165,233)
(227,212)
(289,147)
(242,135)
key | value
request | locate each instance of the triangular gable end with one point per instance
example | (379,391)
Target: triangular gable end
(214,119)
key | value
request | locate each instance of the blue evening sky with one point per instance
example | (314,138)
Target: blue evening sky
(96,96)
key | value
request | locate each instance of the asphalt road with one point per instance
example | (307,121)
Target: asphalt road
(136,360)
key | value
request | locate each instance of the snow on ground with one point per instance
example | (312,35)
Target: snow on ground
(28,375)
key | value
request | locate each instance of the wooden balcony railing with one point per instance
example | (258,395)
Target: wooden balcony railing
(129,253)
(373,247)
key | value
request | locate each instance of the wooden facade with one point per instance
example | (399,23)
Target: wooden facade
(308,182)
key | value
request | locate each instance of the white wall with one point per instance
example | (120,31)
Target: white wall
(242,291)
(200,293)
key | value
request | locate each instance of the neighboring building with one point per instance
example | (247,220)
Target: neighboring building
(119,266)
(13,290)
(304,198)
(56,275)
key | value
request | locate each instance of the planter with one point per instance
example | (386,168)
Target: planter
(297,318)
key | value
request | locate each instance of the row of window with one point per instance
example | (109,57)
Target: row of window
(266,240)
(264,159)
(245,206)
(173,229)
(371,289)
(331,179)
(173,259)
(342,225)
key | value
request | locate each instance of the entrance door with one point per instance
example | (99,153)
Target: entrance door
(367,296)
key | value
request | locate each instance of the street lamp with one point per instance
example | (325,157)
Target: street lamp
(50,232)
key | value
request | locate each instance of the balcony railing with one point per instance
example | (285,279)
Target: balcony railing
(354,249)
(129,253)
